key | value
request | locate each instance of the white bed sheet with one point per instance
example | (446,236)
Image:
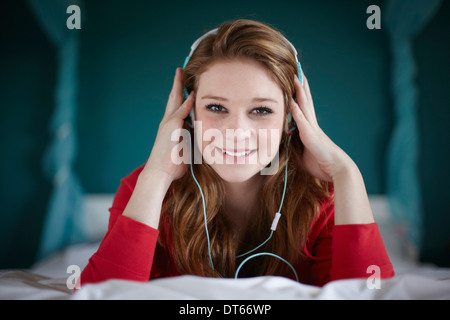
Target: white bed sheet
(267,288)
(47,280)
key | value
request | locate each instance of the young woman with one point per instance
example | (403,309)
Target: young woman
(167,220)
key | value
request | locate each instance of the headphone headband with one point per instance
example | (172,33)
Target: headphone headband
(214,31)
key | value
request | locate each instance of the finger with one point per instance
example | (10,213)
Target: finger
(176,94)
(306,86)
(298,114)
(183,111)
(311,136)
(305,128)
(304,101)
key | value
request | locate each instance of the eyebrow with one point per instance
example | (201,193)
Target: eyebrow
(256,99)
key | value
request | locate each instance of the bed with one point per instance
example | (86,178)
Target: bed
(53,277)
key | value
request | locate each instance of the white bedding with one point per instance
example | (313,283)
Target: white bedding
(48,280)
(267,288)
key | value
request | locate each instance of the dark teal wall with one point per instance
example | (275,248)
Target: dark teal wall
(128,57)
(432,50)
(27,80)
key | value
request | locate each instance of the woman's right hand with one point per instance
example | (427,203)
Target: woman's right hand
(160,161)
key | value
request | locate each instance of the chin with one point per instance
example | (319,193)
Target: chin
(232,173)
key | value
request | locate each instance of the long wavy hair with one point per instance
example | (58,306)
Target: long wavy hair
(184,233)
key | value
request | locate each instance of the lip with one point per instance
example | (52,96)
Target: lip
(237,153)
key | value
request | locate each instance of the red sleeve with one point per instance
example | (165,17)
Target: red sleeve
(356,248)
(344,251)
(127,250)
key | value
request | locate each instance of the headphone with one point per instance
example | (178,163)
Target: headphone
(214,31)
(277,214)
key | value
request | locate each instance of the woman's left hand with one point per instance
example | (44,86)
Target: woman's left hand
(322,157)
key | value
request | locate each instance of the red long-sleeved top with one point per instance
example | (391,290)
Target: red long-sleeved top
(130,250)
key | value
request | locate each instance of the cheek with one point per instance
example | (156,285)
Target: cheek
(206,132)
(270,134)
(207,136)
(268,144)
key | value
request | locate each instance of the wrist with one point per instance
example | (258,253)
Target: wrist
(151,176)
(352,204)
(148,195)
(345,169)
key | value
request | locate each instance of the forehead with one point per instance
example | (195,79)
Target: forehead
(239,79)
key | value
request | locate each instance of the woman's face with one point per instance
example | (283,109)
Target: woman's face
(239,114)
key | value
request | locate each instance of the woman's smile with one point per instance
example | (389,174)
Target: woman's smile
(238,155)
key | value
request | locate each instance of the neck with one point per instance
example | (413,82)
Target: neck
(241,199)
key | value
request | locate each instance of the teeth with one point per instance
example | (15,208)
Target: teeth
(236,154)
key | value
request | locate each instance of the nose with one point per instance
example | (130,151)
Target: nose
(239,131)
